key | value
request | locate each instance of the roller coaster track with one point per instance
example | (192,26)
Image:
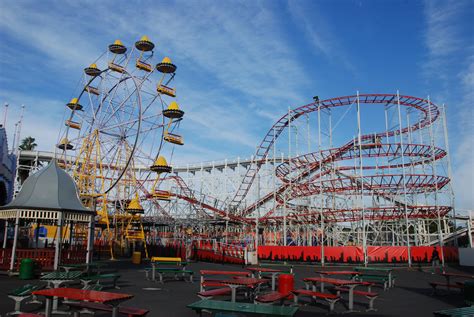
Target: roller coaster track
(429,113)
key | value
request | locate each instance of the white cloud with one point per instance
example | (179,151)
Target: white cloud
(319,33)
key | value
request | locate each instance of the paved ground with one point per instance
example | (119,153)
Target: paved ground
(411,296)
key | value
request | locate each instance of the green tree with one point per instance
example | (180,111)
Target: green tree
(25,165)
(28,144)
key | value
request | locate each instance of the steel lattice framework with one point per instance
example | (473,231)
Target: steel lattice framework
(364,169)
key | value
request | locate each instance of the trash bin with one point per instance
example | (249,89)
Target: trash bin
(27,267)
(286,283)
(136,257)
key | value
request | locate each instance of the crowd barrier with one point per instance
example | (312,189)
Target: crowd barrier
(44,257)
(355,254)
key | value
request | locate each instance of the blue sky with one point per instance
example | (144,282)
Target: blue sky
(241,64)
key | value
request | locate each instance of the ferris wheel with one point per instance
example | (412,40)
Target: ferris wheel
(120,118)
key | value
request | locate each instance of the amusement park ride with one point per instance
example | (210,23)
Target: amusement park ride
(121,118)
(390,187)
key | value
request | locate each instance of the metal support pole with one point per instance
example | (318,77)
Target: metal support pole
(433,166)
(15,240)
(57,252)
(359,140)
(450,170)
(90,239)
(5,234)
(404,178)
(469,228)
(321,215)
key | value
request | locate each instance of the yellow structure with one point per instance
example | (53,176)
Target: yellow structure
(166,66)
(92,70)
(103,166)
(65,145)
(74,104)
(172,112)
(134,230)
(144,44)
(117,48)
(165,90)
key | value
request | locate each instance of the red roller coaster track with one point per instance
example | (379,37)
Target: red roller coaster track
(302,176)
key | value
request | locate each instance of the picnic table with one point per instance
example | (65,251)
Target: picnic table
(246,308)
(386,270)
(248,282)
(323,274)
(350,284)
(260,270)
(165,259)
(85,267)
(57,278)
(113,299)
(156,261)
(448,276)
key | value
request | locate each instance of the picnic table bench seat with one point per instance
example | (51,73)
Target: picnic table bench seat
(371,296)
(330,298)
(161,270)
(214,282)
(244,308)
(129,311)
(214,292)
(434,285)
(176,272)
(377,279)
(87,279)
(456,312)
(270,298)
(20,294)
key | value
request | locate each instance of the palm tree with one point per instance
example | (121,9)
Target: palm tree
(28,144)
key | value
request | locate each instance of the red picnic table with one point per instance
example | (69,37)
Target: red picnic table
(260,270)
(113,299)
(324,274)
(248,282)
(448,276)
(350,284)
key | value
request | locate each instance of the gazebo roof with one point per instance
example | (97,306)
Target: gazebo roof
(50,189)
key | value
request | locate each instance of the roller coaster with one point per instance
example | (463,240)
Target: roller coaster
(390,187)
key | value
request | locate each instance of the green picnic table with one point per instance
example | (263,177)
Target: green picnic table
(82,267)
(57,278)
(386,270)
(246,308)
(456,312)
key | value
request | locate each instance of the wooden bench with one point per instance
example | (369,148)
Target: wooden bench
(87,279)
(30,315)
(456,312)
(216,282)
(244,308)
(377,279)
(371,296)
(22,293)
(214,292)
(270,298)
(129,311)
(434,285)
(330,298)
